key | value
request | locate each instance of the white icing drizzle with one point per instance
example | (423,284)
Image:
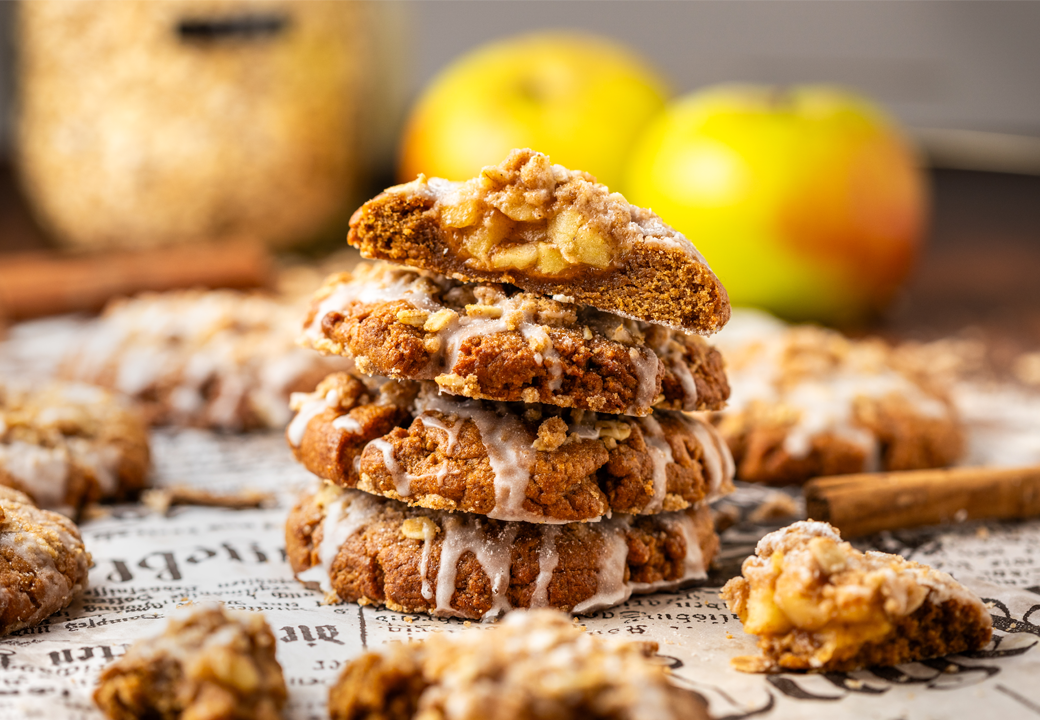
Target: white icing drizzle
(469,534)
(548,559)
(694,567)
(42,472)
(682,371)
(508,446)
(647,366)
(191,341)
(101,460)
(21,535)
(757,347)
(309,407)
(399,285)
(347,424)
(402,479)
(661,455)
(611,588)
(429,533)
(716,459)
(344,516)
(452,432)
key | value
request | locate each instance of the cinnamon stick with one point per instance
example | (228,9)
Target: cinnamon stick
(872,502)
(47,283)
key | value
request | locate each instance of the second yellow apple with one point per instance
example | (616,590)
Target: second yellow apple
(806,201)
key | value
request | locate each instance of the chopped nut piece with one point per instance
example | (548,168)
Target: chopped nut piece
(551,434)
(622,335)
(440,320)
(614,429)
(492,312)
(419,528)
(827,554)
(413,317)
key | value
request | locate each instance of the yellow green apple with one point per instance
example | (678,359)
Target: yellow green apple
(806,201)
(578,98)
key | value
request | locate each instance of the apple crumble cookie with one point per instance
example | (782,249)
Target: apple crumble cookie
(535,463)
(494,342)
(43,565)
(362,548)
(806,401)
(68,444)
(534,664)
(221,359)
(209,663)
(819,604)
(548,230)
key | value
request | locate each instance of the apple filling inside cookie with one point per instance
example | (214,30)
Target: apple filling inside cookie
(521,215)
(529,215)
(817,603)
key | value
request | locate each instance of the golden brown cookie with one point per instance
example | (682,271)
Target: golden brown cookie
(501,674)
(69,444)
(207,358)
(819,604)
(209,663)
(807,401)
(550,231)
(43,565)
(498,343)
(535,463)
(362,548)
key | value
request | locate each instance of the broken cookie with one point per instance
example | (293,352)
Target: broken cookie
(208,663)
(548,230)
(816,603)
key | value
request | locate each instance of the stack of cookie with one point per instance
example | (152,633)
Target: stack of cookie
(514,435)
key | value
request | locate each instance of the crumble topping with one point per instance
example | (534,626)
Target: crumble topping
(531,215)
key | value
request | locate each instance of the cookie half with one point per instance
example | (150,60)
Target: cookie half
(69,444)
(550,231)
(807,401)
(508,461)
(220,359)
(501,673)
(819,604)
(498,343)
(362,548)
(43,565)
(208,663)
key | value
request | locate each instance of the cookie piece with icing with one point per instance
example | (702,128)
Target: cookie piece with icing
(819,604)
(43,565)
(362,548)
(208,663)
(69,444)
(807,401)
(534,463)
(220,359)
(550,231)
(500,674)
(498,343)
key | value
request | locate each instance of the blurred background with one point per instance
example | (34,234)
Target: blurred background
(129,126)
